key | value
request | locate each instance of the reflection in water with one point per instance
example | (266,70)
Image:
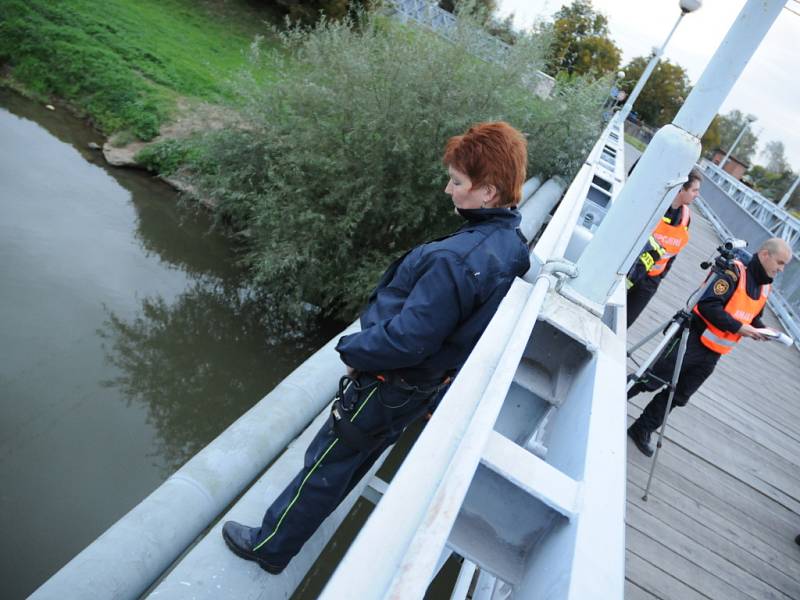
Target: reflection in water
(102,393)
(196,364)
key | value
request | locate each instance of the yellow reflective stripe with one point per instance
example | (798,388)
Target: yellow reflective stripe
(656,246)
(628,284)
(647,260)
(311,472)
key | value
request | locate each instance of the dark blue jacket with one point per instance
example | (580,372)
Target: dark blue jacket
(432,304)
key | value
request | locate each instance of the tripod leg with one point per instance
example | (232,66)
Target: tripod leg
(668,334)
(673,386)
(648,337)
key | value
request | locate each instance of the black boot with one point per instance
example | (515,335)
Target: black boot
(641,438)
(239,539)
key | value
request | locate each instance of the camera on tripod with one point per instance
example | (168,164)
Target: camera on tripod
(727,252)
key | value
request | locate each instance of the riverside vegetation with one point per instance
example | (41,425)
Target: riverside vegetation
(333,167)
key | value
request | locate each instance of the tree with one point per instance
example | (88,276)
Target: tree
(711,139)
(581,42)
(664,92)
(774,152)
(729,127)
(771,184)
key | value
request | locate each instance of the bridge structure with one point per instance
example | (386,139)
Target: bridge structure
(523,472)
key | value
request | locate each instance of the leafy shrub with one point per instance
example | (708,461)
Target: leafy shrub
(167,157)
(341,168)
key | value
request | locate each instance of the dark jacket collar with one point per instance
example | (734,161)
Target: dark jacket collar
(509,217)
(756,270)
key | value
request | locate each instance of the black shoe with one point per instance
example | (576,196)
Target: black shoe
(797,540)
(641,439)
(238,537)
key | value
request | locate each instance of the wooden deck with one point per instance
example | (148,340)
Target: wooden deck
(724,505)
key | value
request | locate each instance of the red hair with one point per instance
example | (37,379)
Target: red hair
(491,154)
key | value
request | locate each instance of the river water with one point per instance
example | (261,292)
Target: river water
(127,342)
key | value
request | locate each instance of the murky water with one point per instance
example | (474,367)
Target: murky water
(126,340)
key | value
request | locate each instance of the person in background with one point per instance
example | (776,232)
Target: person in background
(730,309)
(668,238)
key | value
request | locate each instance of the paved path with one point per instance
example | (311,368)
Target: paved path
(724,506)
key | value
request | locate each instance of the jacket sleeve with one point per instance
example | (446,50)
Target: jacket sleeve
(647,258)
(443,294)
(712,304)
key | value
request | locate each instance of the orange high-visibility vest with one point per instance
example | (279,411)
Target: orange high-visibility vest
(741,307)
(672,238)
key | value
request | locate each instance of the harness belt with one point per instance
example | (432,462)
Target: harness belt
(356,438)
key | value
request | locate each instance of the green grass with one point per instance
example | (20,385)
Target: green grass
(636,143)
(125,62)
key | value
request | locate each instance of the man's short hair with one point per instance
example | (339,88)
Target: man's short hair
(694,175)
(775,245)
(491,154)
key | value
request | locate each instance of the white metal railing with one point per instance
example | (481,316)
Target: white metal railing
(778,221)
(407,533)
(485,46)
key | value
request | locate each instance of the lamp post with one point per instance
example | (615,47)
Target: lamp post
(687,6)
(788,194)
(747,122)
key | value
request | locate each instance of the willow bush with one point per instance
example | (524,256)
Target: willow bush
(339,170)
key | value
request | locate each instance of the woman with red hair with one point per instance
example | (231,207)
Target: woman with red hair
(420,324)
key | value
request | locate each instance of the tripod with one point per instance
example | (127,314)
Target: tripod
(678,323)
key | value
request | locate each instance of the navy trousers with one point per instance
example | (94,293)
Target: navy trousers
(639,296)
(332,467)
(698,364)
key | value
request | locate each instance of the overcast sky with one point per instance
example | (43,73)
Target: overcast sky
(769,87)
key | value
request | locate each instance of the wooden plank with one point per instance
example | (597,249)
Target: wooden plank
(702,478)
(734,458)
(654,582)
(649,546)
(698,526)
(724,518)
(634,592)
(714,575)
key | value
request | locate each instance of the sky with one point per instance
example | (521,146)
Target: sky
(768,88)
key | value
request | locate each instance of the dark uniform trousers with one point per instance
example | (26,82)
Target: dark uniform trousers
(698,363)
(639,296)
(332,467)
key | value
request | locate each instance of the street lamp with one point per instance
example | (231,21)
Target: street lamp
(686,6)
(747,122)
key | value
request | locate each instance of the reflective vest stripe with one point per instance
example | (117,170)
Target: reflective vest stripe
(670,239)
(714,338)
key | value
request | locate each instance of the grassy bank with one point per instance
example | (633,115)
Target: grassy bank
(124,64)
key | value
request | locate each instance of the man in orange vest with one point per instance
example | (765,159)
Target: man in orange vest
(730,309)
(668,238)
